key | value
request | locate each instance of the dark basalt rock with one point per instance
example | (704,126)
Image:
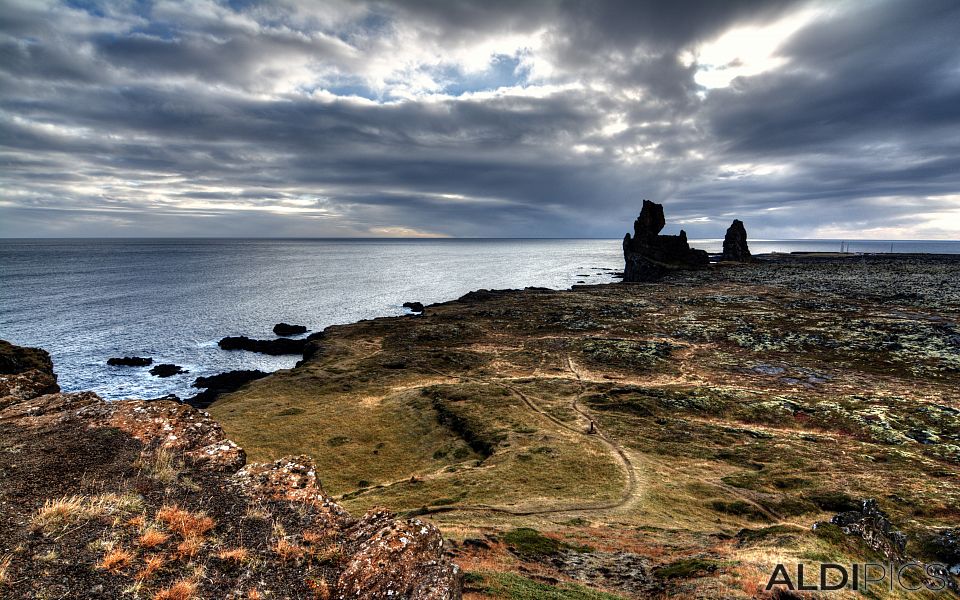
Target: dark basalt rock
(873,525)
(130,361)
(649,255)
(30,372)
(18,359)
(167,370)
(287,329)
(223,383)
(944,546)
(735,247)
(272,347)
(416,307)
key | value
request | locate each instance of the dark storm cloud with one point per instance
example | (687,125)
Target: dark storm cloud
(197,117)
(851,81)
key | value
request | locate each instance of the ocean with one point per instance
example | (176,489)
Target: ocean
(172,299)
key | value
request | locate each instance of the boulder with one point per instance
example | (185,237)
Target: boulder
(167,370)
(223,383)
(649,255)
(735,247)
(130,361)
(416,307)
(275,347)
(286,329)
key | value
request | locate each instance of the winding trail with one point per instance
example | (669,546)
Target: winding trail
(626,465)
(631,489)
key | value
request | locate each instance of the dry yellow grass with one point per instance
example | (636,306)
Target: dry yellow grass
(189,547)
(160,465)
(234,555)
(151,538)
(151,567)
(137,522)
(184,522)
(315,537)
(181,590)
(5,561)
(288,550)
(62,513)
(116,560)
(329,553)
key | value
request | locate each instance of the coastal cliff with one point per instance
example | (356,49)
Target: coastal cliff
(149,499)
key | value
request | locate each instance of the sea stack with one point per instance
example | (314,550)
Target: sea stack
(649,255)
(735,247)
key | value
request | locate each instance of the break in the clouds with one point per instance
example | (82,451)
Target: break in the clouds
(494,118)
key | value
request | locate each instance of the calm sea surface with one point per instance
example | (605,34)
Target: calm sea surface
(87,300)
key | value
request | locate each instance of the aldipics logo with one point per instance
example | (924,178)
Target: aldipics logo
(909,576)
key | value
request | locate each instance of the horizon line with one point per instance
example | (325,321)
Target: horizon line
(441,238)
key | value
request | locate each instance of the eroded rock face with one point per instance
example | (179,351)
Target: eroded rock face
(25,373)
(735,247)
(649,255)
(380,557)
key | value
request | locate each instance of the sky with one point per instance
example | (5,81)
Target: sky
(436,118)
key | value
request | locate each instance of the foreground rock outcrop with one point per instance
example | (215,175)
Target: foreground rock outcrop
(649,255)
(735,248)
(108,499)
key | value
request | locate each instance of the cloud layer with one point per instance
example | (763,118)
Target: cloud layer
(537,118)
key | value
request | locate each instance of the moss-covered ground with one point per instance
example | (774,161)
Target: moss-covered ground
(698,426)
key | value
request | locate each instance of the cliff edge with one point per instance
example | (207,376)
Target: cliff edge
(150,500)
